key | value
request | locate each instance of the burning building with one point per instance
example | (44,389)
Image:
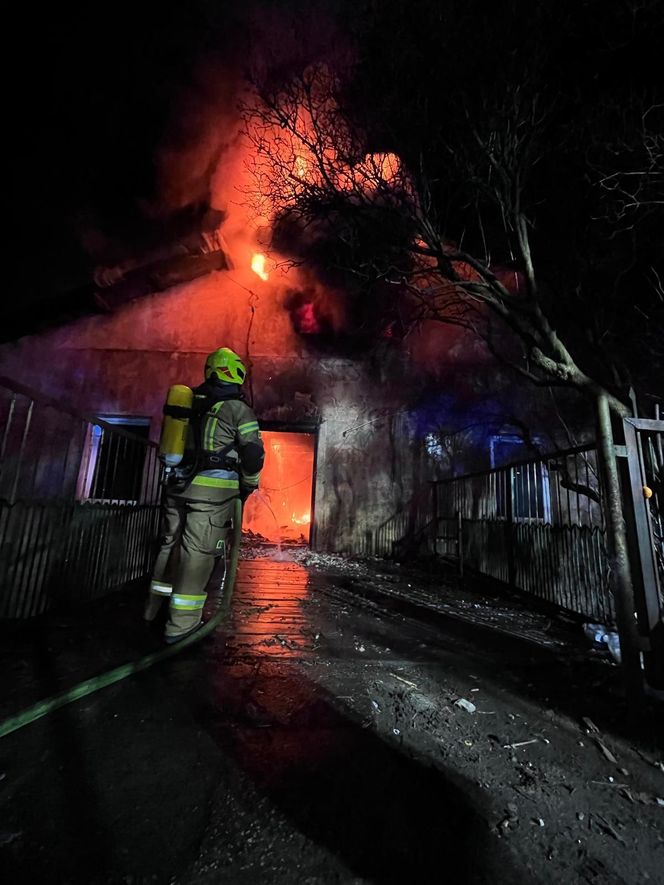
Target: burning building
(345,401)
(338,439)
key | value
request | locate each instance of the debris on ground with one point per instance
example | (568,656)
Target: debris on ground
(509,820)
(465,705)
(605,751)
(272,734)
(405,681)
(641,798)
(603,639)
(280,639)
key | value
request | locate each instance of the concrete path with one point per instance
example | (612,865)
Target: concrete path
(352,725)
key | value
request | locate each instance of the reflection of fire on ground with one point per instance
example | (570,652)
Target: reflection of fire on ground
(281,510)
(267,612)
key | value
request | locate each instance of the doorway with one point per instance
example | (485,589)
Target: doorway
(281,511)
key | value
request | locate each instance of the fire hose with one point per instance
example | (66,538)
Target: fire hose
(96,683)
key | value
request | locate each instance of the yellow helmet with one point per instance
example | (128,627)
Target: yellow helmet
(226,365)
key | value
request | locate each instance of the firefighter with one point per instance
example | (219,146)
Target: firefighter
(222,460)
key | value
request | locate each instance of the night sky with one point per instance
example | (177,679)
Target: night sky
(98,88)
(93,96)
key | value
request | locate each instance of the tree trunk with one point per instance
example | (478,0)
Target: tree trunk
(621,576)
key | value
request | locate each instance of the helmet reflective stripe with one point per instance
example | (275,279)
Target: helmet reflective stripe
(160,588)
(226,365)
(248,427)
(187,603)
(211,426)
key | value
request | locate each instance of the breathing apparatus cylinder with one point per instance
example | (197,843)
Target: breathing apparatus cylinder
(175,424)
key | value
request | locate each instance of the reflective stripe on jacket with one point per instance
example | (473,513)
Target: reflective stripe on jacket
(227,427)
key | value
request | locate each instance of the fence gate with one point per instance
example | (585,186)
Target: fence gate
(643,478)
(537,525)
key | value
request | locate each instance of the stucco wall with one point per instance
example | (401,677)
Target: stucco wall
(124,363)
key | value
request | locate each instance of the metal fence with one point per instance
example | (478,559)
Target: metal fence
(537,525)
(402,533)
(79,504)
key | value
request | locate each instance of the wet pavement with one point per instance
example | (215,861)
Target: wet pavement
(355,723)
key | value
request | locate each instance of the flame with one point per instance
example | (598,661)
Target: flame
(306,320)
(258,266)
(376,170)
(301,167)
(281,509)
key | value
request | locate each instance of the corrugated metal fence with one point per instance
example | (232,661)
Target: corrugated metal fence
(536,525)
(79,504)
(400,533)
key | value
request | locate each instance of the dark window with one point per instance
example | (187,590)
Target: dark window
(526,484)
(115,461)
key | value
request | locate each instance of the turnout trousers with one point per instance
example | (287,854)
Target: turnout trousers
(193,534)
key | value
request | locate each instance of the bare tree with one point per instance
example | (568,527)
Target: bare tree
(379,216)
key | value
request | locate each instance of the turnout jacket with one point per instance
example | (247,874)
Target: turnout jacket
(224,453)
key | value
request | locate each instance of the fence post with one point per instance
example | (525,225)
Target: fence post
(460,541)
(620,575)
(509,528)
